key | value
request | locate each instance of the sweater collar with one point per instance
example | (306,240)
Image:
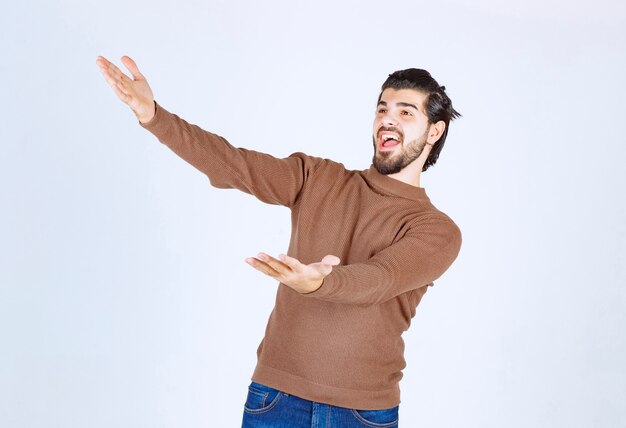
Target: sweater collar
(393,186)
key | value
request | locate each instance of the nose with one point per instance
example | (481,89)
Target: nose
(388,119)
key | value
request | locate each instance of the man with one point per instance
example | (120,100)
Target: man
(365,246)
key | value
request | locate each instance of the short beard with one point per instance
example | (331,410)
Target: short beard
(389,163)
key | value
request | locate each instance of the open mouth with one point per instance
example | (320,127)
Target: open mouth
(388,140)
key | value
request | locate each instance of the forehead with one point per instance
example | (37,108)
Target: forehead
(411,96)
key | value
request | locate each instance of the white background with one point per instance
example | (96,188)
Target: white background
(124,297)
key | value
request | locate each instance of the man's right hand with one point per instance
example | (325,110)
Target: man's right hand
(135,92)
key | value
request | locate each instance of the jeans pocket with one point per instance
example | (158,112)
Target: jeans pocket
(385,418)
(261,398)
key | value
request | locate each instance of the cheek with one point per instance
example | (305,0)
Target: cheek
(416,132)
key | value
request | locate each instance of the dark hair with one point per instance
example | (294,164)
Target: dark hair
(438,105)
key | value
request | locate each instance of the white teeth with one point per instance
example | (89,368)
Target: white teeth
(389,137)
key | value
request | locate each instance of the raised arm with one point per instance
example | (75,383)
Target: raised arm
(272,180)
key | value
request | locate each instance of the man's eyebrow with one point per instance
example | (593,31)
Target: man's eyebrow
(408,105)
(402,104)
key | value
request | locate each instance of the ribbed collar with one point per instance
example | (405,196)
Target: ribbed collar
(393,186)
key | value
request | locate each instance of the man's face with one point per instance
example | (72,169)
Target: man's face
(400,129)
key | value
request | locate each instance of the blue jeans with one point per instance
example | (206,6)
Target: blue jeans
(270,408)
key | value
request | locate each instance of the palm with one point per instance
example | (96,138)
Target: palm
(135,91)
(291,272)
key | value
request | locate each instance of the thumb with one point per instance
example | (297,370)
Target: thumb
(132,67)
(325,267)
(331,260)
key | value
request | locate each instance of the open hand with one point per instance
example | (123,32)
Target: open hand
(288,270)
(135,92)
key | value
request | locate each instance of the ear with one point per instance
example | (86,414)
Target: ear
(435,132)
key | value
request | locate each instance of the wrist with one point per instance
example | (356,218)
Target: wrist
(314,287)
(143,119)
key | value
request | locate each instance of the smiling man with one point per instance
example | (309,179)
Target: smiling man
(365,245)
(401,132)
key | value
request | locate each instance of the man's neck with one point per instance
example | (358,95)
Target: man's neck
(409,175)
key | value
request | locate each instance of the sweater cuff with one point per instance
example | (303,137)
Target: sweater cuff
(160,122)
(328,286)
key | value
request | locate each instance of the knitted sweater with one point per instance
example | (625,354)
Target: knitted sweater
(341,344)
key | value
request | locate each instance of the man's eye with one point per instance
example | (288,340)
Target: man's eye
(381,110)
(406,113)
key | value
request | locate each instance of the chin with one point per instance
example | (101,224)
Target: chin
(386,168)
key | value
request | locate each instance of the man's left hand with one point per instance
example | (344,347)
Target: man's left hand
(288,270)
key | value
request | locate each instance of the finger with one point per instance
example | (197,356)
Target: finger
(111,76)
(122,87)
(119,88)
(101,61)
(121,76)
(132,67)
(292,262)
(120,94)
(262,267)
(277,265)
(125,86)
(108,76)
(112,70)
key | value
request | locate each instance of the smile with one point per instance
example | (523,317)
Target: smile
(388,140)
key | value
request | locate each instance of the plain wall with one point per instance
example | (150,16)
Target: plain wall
(124,297)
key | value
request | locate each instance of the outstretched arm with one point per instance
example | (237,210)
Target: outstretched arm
(272,180)
(416,260)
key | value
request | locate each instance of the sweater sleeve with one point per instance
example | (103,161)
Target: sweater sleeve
(421,256)
(270,179)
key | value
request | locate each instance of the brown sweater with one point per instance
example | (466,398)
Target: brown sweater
(341,344)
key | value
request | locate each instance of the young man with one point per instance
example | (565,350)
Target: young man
(365,246)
